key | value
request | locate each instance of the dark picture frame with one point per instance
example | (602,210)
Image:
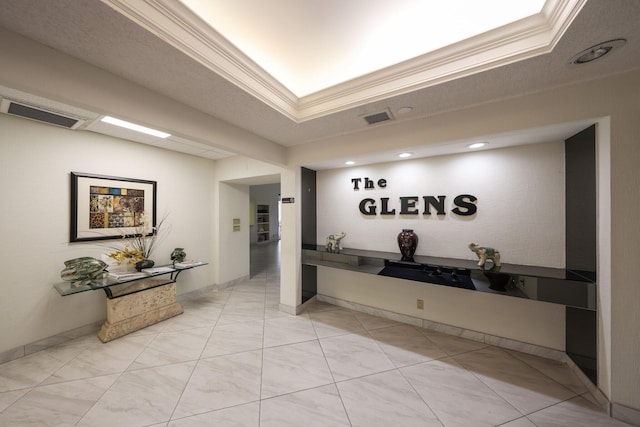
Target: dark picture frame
(109,207)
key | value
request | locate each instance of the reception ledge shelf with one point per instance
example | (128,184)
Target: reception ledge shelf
(554,285)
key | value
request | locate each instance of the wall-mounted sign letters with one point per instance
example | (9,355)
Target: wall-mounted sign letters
(368,184)
(464,204)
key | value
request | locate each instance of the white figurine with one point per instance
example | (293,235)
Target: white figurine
(333,242)
(485,254)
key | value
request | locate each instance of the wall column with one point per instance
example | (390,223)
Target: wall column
(291,242)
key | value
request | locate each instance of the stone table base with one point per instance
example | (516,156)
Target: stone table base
(129,313)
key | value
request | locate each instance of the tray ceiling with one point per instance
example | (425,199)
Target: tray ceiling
(309,59)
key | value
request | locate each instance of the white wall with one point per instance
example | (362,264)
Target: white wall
(35,162)
(519,189)
(291,241)
(234,256)
(519,319)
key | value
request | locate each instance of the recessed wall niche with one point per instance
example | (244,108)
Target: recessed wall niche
(522,203)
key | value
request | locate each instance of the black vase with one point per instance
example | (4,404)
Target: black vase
(497,281)
(408,242)
(145,263)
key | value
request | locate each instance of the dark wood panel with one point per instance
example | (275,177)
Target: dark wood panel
(309,231)
(580,160)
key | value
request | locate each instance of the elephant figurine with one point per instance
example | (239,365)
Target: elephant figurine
(333,242)
(486,254)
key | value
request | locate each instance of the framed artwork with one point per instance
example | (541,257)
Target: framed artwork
(109,207)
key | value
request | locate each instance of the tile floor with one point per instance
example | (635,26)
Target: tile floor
(232,359)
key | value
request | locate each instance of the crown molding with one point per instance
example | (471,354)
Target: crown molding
(181,28)
(176,24)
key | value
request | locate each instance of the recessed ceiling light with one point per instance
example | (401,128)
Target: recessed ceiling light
(404,110)
(405,155)
(477,145)
(135,127)
(596,52)
(349,162)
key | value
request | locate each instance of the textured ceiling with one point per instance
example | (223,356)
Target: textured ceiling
(97,34)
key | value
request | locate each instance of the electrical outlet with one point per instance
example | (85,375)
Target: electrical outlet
(420,304)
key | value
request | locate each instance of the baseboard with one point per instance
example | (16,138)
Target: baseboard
(197,293)
(598,396)
(232,283)
(626,414)
(296,310)
(27,349)
(288,309)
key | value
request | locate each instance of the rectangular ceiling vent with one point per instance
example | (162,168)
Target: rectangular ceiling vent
(39,114)
(382,116)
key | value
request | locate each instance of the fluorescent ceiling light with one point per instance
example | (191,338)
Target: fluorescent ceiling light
(477,145)
(133,126)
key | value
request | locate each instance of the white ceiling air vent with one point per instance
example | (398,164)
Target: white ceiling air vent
(40,114)
(381,116)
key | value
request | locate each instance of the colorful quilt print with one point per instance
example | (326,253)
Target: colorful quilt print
(111,207)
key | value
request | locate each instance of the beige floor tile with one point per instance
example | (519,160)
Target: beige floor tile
(318,407)
(221,382)
(293,367)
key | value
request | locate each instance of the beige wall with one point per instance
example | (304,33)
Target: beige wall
(233,246)
(35,162)
(625,251)
(291,243)
(518,319)
(67,79)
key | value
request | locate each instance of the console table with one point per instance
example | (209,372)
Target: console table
(136,302)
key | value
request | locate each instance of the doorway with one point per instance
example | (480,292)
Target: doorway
(264,203)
